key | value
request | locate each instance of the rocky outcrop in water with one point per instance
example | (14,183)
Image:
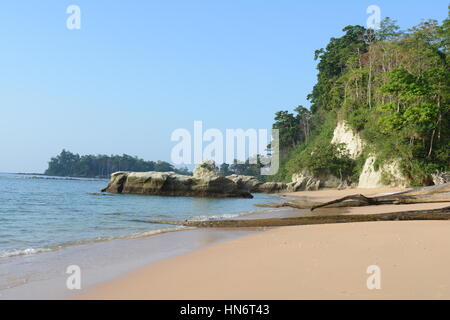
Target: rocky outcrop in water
(172,184)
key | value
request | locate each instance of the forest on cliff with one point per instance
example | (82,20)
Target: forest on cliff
(392,87)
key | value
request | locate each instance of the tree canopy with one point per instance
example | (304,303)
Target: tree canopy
(391,86)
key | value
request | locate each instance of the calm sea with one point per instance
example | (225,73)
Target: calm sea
(41,213)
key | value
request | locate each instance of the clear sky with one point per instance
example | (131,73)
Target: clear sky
(137,70)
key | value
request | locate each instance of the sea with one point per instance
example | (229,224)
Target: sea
(48,223)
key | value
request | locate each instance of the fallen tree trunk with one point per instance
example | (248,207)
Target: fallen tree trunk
(434,194)
(305,204)
(438,214)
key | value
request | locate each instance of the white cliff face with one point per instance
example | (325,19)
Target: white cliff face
(370,178)
(346,135)
(343,134)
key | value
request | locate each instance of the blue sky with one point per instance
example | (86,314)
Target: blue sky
(137,70)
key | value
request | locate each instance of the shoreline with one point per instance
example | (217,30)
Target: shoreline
(115,261)
(304,262)
(43,276)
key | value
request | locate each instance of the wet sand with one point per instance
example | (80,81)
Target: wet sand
(305,262)
(43,276)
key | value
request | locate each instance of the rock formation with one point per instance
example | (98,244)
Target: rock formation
(388,174)
(304,182)
(206,169)
(206,182)
(343,134)
(271,187)
(172,184)
(249,183)
(441,178)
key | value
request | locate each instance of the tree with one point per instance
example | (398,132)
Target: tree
(286,123)
(225,169)
(389,30)
(303,118)
(333,61)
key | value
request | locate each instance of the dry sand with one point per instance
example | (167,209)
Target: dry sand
(305,262)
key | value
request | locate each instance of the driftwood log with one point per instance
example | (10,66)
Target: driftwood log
(433,194)
(438,214)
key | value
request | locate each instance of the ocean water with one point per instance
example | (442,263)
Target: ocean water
(41,214)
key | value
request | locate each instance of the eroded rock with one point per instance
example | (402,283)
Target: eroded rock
(172,184)
(388,174)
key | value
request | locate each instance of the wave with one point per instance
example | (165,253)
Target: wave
(22,252)
(44,177)
(31,251)
(228,215)
(224,216)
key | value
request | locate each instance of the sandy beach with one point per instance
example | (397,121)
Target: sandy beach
(305,262)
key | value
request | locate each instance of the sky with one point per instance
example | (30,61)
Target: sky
(138,70)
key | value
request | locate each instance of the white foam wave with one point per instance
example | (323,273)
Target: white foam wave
(225,216)
(22,252)
(31,251)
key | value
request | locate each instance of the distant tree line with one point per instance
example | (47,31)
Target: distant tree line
(69,164)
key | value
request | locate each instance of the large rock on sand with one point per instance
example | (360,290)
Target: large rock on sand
(172,184)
